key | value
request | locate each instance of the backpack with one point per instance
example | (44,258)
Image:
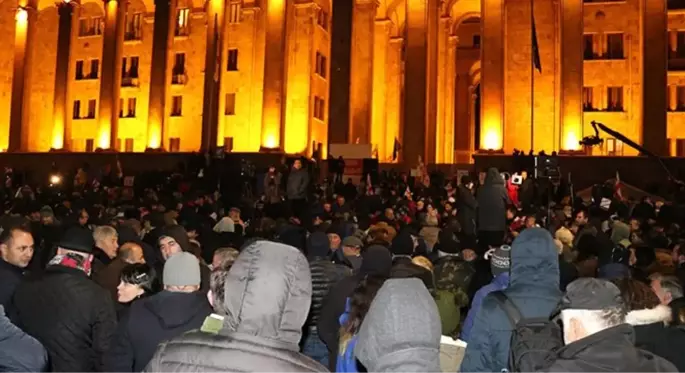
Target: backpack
(534,341)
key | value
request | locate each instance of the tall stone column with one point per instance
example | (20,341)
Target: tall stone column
(273,118)
(492,86)
(212,83)
(61,136)
(445,96)
(24,23)
(361,70)
(381,39)
(165,13)
(110,79)
(393,99)
(654,76)
(673,97)
(571,74)
(450,99)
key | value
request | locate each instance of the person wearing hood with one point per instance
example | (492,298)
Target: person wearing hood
(324,275)
(467,207)
(492,201)
(533,288)
(174,239)
(500,261)
(401,331)
(176,310)
(376,260)
(651,321)
(258,317)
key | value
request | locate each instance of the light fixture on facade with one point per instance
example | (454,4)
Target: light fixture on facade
(22,15)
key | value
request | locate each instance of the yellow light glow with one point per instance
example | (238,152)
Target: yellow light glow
(492,140)
(103,140)
(57,140)
(571,142)
(270,142)
(154,135)
(22,16)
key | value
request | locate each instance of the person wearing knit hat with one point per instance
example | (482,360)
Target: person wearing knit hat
(500,260)
(160,317)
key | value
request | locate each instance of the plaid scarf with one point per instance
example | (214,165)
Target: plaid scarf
(72,260)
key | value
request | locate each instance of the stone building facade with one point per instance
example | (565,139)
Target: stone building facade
(443,78)
(182,75)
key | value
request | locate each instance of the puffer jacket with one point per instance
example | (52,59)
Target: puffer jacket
(498,283)
(324,275)
(19,352)
(533,287)
(267,299)
(72,316)
(492,203)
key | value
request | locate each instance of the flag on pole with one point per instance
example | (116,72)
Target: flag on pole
(396,147)
(217,67)
(536,50)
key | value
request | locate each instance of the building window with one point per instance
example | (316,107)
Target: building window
(182,22)
(614,98)
(179,70)
(321,65)
(94,69)
(128,144)
(680,147)
(174,144)
(680,45)
(588,47)
(322,19)
(134,29)
(131,112)
(91,109)
(614,46)
(588,99)
(90,26)
(614,147)
(176,106)
(234,13)
(319,108)
(232,64)
(77,110)
(79,70)
(680,98)
(230,104)
(129,71)
(476,41)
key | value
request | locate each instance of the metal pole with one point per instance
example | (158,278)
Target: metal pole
(532,78)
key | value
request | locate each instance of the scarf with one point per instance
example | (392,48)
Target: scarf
(72,260)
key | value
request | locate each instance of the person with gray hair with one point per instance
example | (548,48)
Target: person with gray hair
(106,247)
(257,322)
(596,335)
(667,288)
(223,258)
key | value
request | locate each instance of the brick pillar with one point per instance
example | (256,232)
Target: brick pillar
(24,23)
(492,81)
(110,79)
(571,74)
(162,37)
(61,134)
(273,118)
(361,70)
(654,76)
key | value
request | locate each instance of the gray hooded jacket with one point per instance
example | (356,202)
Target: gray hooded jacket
(401,332)
(267,297)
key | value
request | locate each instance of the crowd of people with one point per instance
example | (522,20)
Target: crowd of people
(397,273)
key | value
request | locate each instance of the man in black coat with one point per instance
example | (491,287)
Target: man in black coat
(492,209)
(466,207)
(16,251)
(72,316)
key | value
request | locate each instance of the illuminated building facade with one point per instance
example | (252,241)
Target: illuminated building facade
(182,75)
(445,78)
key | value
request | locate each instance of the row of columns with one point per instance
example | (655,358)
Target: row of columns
(273,124)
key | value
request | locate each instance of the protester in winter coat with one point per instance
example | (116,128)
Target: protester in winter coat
(177,309)
(16,251)
(401,331)
(324,275)
(260,315)
(174,239)
(533,288)
(500,260)
(492,207)
(376,260)
(110,276)
(651,322)
(596,337)
(466,207)
(19,352)
(72,316)
(453,277)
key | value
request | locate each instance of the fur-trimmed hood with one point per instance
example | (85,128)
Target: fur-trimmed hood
(647,316)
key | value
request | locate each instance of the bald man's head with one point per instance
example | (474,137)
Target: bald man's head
(131,253)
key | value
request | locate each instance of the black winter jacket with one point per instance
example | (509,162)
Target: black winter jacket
(10,278)
(324,275)
(492,203)
(652,334)
(151,321)
(72,316)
